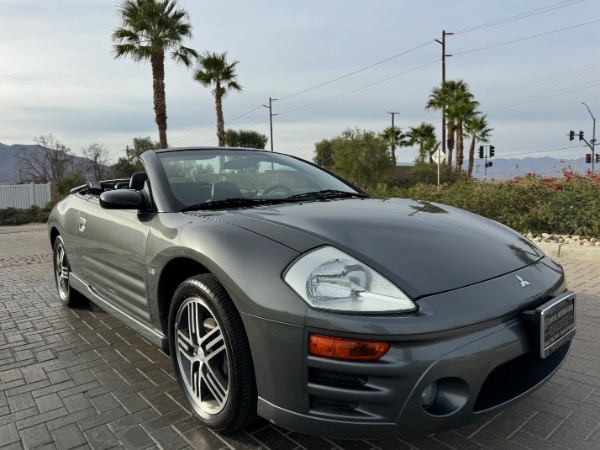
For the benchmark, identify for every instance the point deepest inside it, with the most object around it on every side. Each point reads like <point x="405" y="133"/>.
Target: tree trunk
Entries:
<point x="471" y="157"/>
<point x="220" y="121"/>
<point x="160" y="104"/>
<point x="443" y="129"/>
<point x="459" y="146"/>
<point x="450" y="130"/>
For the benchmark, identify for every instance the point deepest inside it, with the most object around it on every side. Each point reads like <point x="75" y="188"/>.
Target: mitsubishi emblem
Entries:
<point x="522" y="281"/>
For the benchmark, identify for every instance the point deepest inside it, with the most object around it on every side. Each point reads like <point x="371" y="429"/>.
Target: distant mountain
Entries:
<point x="9" y="161"/>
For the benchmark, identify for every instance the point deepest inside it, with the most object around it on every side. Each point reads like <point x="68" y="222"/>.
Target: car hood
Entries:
<point x="423" y="247"/>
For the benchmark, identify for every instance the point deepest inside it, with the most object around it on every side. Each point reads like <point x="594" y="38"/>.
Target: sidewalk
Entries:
<point x="570" y="251"/>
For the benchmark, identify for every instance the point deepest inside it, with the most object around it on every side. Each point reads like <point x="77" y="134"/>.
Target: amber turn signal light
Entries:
<point x="349" y="349"/>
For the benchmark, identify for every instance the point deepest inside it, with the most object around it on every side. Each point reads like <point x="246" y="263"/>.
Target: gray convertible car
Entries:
<point x="281" y="290"/>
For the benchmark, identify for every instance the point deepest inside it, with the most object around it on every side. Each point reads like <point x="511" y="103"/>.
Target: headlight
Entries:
<point x="328" y="278"/>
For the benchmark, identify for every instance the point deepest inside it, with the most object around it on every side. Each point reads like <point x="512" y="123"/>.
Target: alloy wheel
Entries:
<point x="62" y="270"/>
<point x="202" y="356"/>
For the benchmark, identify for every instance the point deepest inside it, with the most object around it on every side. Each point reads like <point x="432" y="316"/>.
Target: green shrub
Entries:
<point x="68" y="182"/>
<point x="567" y="205"/>
<point x="14" y="216"/>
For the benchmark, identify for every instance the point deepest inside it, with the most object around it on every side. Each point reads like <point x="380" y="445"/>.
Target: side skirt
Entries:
<point x="148" y="332"/>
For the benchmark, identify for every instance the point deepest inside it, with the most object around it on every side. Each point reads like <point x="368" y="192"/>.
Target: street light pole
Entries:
<point x="593" y="141"/>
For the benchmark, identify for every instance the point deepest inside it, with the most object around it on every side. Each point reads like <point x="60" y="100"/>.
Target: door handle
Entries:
<point x="82" y="222"/>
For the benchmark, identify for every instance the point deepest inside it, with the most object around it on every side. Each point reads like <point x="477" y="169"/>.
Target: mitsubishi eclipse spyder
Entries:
<point x="280" y="290"/>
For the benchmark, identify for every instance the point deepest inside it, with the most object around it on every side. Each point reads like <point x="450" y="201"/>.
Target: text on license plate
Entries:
<point x="555" y="323"/>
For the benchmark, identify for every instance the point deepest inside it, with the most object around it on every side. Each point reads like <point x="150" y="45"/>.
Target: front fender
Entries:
<point x="251" y="275"/>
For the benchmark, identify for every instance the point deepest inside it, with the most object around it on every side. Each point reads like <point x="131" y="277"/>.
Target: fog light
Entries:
<point x="429" y="395"/>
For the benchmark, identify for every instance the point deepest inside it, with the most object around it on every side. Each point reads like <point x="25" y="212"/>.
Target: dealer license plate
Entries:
<point x="556" y="324"/>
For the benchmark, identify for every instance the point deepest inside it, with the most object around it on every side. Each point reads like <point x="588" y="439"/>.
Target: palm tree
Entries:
<point x="396" y="138"/>
<point x="213" y="69"/>
<point x="461" y="108"/>
<point x="149" y="29"/>
<point x="423" y="135"/>
<point x="440" y="99"/>
<point x="478" y="129"/>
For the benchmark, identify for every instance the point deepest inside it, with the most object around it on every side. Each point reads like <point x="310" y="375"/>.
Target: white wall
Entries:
<point x="24" y="195"/>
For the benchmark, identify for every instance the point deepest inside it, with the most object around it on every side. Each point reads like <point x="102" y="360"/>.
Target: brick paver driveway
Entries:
<point x="80" y="379"/>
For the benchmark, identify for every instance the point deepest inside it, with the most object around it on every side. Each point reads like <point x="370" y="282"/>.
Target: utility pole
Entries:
<point x="271" y="120"/>
<point x="443" y="42"/>
<point x="393" y="113"/>
<point x="592" y="143"/>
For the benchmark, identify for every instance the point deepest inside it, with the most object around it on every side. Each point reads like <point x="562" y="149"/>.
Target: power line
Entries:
<point x="187" y="137"/>
<point x="526" y="84"/>
<point x="526" y="38"/>
<point x="195" y="134"/>
<point x="544" y="151"/>
<point x="533" y="12"/>
<point x="245" y="114"/>
<point x="556" y="94"/>
<point x="424" y="44"/>
<point x="256" y="123"/>
<point x="358" y="89"/>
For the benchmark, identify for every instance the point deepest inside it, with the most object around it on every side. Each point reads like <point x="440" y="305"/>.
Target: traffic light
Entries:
<point x="481" y="151"/>
<point x="571" y="135"/>
<point x="598" y="157"/>
<point x="492" y="150"/>
<point x="581" y="135"/>
<point x="488" y="164"/>
<point x="588" y="158"/>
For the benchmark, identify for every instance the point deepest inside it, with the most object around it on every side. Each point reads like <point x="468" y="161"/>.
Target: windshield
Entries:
<point x="198" y="177"/>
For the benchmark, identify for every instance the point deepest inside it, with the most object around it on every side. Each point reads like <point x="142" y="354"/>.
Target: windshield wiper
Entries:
<point x="236" y="202"/>
<point x="327" y="193"/>
<point x="240" y="202"/>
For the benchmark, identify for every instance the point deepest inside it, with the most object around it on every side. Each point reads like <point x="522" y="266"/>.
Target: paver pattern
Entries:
<point x="81" y="379"/>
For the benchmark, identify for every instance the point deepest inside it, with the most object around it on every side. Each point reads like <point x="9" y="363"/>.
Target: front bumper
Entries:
<point x="478" y="368"/>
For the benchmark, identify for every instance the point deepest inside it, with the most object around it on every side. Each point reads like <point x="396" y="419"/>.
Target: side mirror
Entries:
<point x="121" y="199"/>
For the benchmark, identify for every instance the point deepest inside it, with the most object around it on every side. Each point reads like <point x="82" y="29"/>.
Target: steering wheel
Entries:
<point x="275" y="187"/>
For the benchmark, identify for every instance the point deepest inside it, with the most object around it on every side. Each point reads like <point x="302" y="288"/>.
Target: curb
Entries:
<point x="569" y="251"/>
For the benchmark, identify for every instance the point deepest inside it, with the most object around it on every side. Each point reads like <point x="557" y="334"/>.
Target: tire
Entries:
<point x="211" y="355"/>
<point x="62" y="271"/>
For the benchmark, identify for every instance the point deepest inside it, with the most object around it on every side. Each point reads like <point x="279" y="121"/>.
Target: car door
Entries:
<point x="113" y="253"/>
<point x="69" y="228"/>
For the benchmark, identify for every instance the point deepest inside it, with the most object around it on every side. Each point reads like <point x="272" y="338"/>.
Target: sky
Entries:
<point x="529" y="64"/>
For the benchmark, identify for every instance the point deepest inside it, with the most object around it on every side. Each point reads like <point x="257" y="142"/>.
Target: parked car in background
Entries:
<point x="281" y="290"/>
